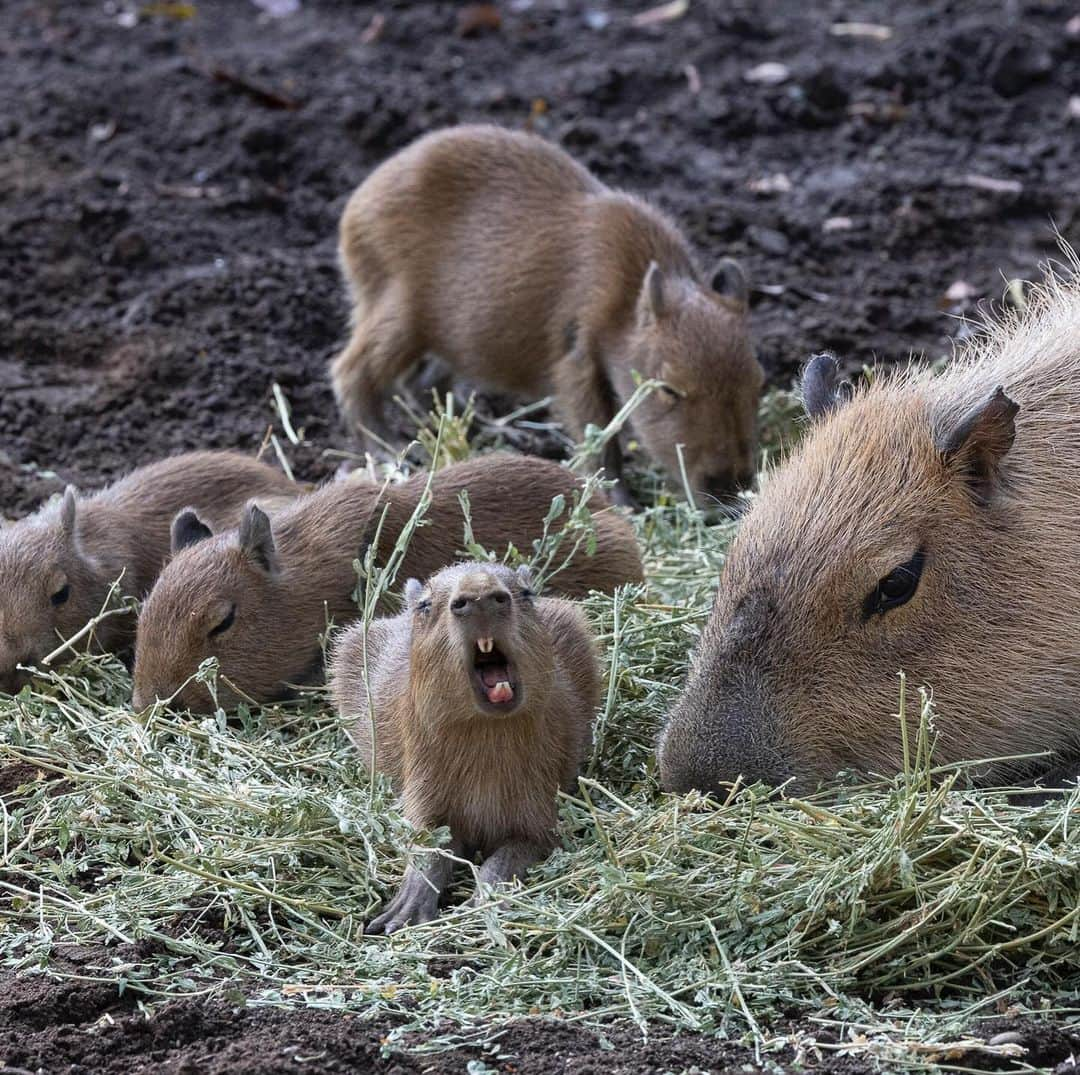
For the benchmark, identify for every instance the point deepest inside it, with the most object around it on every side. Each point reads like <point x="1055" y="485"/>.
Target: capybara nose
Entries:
<point x="721" y="484"/>
<point x="493" y="600"/>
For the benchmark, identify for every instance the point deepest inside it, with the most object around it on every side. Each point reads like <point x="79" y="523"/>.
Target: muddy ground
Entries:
<point x="170" y="181"/>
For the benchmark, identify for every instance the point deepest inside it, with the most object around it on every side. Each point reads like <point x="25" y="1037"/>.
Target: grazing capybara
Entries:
<point x="260" y="598"/>
<point x="58" y="566"/>
<point x="926" y="524"/>
<point x="483" y="697"/>
<point x="499" y="253"/>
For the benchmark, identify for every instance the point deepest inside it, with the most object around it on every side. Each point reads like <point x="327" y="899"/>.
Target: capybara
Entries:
<point x="259" y="598"/>
<point x="927" y="524"/>
<point x="483" y="696"/>
<point x="57" y="566"/>
<point x="499" y="253"/>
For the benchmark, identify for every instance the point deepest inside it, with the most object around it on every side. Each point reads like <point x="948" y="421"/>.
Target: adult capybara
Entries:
<point x="260" y="598"/>
<point x="482" y="696"/>
<point x="926" y="524"/>
<point x="499" y="253"/>
<point x="57" y="566"/>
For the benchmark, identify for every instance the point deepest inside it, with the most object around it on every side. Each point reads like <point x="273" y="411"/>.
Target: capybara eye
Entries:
<point x="61" y="595"/>
<point x="458" y="604"/>
<point x="672" y="395"/>
<point x="502" y="598"/>
<point x="897" y="587"/>
<point x="225" y="623"/>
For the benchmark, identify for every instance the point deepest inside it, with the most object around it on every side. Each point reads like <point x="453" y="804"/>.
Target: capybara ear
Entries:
<point x="525" y="578"/>
<point x="652" y="291"/>
<point x="822" y="390"/>
<point x="729" y="279"/>
<point x="413" y="589"/>
<point x="187" y="529"/>
<point x="68" y="512"/>
<point x="257" y="537"/>
<point x="975" y="445"/>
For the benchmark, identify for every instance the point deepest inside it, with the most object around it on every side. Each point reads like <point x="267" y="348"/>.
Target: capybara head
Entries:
<point x="697" y="341"/>
<point x="214" y="599"/>
<point x="893" y="540"/>
<point x="49" y="587"/>
<point x="476" y="636"/>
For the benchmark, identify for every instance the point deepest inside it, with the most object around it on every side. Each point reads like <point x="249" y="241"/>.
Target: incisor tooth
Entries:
<point x="486" y="644"/>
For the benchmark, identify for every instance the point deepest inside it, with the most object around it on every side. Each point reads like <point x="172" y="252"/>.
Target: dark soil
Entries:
<point x="169" y="193"/>
<point x="82" y="1027"/>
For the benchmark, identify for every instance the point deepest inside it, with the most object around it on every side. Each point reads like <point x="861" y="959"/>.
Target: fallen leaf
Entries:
<point x="169" y="10"/>
<point x="474" y="19"/>
<point x="768" y="74"/>
<point x="278" y="9"/>
<point x="990" y="183"/>
<point x="693" y="79"/>
<point x="664" y="13"/>
<point x="872" y="30"/>
<point x="1074" y="107"/>
<point x="777" y="183"/>
<point x="374" y="29"/>
<point x="1072" y="27"/>
<point x="102" y="132"/>
<point x="838" y="223"/>
<point x="959" y="291"/>
<point x="597" y="20"/>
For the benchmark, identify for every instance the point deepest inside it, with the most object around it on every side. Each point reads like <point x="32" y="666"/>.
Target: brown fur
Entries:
<point x="87" y="543"/>
<point x="492" y="778"/>
<point x="284" y="600"/>
<point x="498" y="252"/>
<point x="797" y="673"/>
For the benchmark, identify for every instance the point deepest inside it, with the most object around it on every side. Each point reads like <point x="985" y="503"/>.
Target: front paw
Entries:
<point x="413" y="905"/>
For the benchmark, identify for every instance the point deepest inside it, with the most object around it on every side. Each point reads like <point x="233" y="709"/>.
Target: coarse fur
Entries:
<point x="260" y="598"/>
<point x="972" y="477"/>
<point x="58" y="566"/>
<point x="499" y="253"/>
<point x="491" y="773"/>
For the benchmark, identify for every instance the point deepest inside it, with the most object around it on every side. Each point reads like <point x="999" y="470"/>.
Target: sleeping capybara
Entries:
<point x="57" y="566"/>
<point x="926" y="524"/>
<point x="259" y="599"/>
<point x="483" y="696"/>
<point x="499" y="253"/>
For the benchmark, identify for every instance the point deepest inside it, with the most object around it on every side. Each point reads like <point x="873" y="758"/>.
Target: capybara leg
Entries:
<point x="613" y="468"/>
<point x="586" y="397"/>
<point x="508" y="861"/>
<point x="417" y="901"/>
<point x="380" y="350"/>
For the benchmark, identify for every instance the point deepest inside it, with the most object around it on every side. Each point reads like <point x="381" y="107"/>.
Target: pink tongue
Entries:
<point x="493" y="673"/>
<point x="501" y="692"/>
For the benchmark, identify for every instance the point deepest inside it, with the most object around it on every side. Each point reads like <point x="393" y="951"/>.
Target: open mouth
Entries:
<point x="494" y="674"/>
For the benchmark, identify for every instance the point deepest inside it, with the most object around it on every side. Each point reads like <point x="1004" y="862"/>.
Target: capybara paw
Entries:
<point x="414" y="909"/>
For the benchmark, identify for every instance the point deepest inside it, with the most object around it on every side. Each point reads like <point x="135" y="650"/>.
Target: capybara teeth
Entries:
<point x="486" y="645"/>
<point x="501" y="692"/>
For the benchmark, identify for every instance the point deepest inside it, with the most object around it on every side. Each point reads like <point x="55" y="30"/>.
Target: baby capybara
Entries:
<point x="926" y="524"/>
<point x="483" y="696"/>
<point x="58" y="566"/>
<point x="503" y="256"/>
<point x="259" y="599"/>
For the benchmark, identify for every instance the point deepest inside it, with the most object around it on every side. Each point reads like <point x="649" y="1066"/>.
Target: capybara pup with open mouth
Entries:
<point x="926" y="524"/>
<point x="260" y="598"/>
<point x="483" y="696"/>
<point x="506" y="258"/>
<point x="58" y="566"/>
